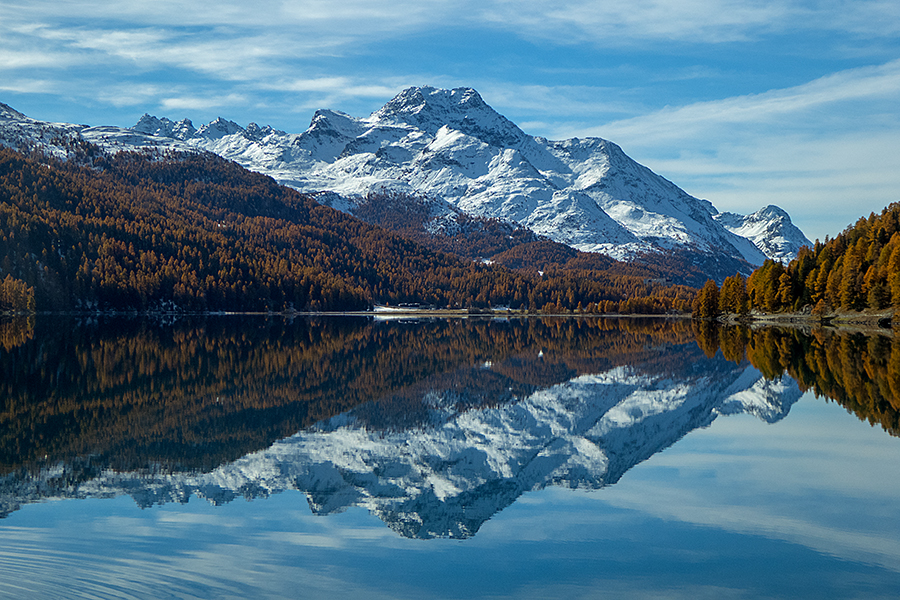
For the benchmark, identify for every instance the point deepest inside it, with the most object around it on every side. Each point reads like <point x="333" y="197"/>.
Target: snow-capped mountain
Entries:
<point x="450" y="145"/>
<point x="770" y="228"/>
<point x="446" y="477"/>
<point x="22" y="133"/>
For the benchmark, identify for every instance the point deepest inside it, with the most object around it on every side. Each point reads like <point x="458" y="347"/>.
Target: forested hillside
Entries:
<point x="152" y="231"/>
<point x="858" y="270"/>
<point x="425" y="221"/>
<point x="422" y="220"/>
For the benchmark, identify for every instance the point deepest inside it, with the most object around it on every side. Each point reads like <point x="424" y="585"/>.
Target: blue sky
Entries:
<point x="745" y="103"/>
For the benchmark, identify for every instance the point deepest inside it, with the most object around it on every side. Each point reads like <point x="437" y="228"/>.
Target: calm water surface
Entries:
<point x="269" y="458"/>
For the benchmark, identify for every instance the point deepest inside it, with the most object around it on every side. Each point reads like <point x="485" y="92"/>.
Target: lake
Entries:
<point x="335" y="457"/>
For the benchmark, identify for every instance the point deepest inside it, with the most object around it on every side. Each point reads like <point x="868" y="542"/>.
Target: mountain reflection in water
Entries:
<point x="432" y="425"/>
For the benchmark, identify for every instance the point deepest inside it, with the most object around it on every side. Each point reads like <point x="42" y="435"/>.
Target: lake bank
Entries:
<point x="881" y="320"/>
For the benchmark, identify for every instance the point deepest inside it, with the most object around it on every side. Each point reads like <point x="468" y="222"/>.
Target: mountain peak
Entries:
<point x="770" y="229"/>
<point x="8" y="112"/>
<point x="463" y="109"/>
<point x="416" y="100"/>
<point x="334" y="122"/>
<point x="219" y="129"/>
<point x="770" y="212"/>
<point x="150" y="125"/>
<point x="450" y="144"/>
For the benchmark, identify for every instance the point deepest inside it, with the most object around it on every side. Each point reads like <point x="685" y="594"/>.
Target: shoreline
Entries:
<point x="883" y="320"/>
<point x="379" y="314"/>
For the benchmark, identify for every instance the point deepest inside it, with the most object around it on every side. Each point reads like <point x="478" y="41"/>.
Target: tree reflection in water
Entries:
<point x="860" y="371"/>
<point x="136" y="394"/>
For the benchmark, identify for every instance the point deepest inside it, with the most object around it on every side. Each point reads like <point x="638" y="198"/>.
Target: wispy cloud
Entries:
<point x="269" y="41"/>
<point x="335" y="85"/>
<point x="203" y="103"/>
<point x="307" y="19"/>
<point x="358" y="94"/>
<point x="225" y="56"/>
<point x="568" y="101"/>
<point x="237" y="40"/>
<point x="699" y="21"/>
<point x="26" y="85"/>
<point x="15" y="59"/>
<point x="130" y="94"/>
<point x="875" y="83"/>
<point x="692" y="21"/>
<point x="706" y="21"/>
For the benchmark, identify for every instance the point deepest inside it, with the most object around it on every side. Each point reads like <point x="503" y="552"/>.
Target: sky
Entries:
<point x="742" y="102"/>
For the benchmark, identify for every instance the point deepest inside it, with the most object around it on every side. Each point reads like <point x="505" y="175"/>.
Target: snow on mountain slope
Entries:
<point x="182" y="130"/>
<point x="22" y="133"/>
<point x="451" y="145"/>
<point x="770" y="228"/>
<point x="446" y="478"/>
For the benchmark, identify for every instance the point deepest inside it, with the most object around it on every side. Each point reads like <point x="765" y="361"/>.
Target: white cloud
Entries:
<point x="304" y="18"/>
<point x="605" y="23"/>
<point x="11" y="60"/>
<point x="357" y="95"/>
<point x="29" y="86"/>
<point x="201" y="102"/>
<point x="344" y="86"/>
<point x="227" y="56"/>
<point x="236" y="39"/>
<point x="566" y="101"/>
<point x="130" y="94"/>
<point x="692" y="21"/>
<point x="862" y="84"/>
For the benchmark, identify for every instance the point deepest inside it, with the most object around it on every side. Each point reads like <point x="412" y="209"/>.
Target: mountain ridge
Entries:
<point x="451" y="145"/>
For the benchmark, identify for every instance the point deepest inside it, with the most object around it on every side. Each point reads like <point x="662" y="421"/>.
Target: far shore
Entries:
<point x="378" y="314"/>
<point x="883" y="320"/>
